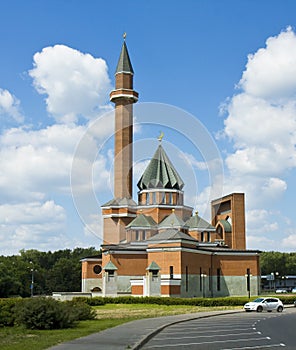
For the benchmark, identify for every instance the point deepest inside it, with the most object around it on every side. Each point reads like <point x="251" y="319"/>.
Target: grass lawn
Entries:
<point x="16" y="338"/>
<point x="110" y="315"/>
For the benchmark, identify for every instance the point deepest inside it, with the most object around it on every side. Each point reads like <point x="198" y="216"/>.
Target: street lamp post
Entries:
<point x="284" y="278"/>
<point x="32" y="282"/>
<point x="203" y="276"/>
<point x="272" y="280"/>
<point x="32" y="279"/>
<point x="248" y="277"/>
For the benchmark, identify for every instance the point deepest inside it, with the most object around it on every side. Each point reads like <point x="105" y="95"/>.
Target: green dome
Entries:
<point x="160" y="173"/>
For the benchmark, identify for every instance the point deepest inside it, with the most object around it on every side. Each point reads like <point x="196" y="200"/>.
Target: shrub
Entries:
<point x="7" y="311"/>
<point x="81" y="310"/>
<point x="47" y="313"/>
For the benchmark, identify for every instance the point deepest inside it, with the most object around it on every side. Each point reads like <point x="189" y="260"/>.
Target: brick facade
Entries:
<point x="170" y="252"/>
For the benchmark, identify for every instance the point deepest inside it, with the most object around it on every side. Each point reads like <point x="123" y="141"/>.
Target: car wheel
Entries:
<point x="259" y="308"/>
<point x="280" y="309"/>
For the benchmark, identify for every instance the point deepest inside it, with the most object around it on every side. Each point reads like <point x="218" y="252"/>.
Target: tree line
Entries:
<point x="279" y="263"/>
<point x="49" y="272"/>
<point x="60" y="271"/>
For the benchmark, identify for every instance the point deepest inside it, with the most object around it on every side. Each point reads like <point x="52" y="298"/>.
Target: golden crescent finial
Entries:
<point x="124" y="35"/>
<point x="160" y="137"/>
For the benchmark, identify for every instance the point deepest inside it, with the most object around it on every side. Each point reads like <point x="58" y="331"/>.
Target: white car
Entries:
<point x="264" y="304"/>
<point x="281" y="290"/>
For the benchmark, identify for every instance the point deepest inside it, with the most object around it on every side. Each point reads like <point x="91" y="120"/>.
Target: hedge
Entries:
<point x="227" y="301"/>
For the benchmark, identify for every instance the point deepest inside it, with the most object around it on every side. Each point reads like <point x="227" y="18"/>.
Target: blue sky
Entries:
<point x="227" y="68"/>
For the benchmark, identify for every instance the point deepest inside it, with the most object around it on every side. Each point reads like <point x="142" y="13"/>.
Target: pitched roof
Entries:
<point x="142" y="221"/>
<point x="198" y="223"/>
<point x="110" y="266"/>
<point x="117" y="202"/>
<point x="124" y="63"/>
<point x="160" y="173"/>
<point x="170" y="235"/>
<point x="153" y="267"/>
<point x="172" y="221"/>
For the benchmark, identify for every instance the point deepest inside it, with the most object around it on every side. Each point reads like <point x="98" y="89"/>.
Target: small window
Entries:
<point x="200" y="279"/>
<point x="154" y="273"/>
<point x="97" y="269"/>
<point x="171" y="272"/>
<point x="186" y="280"/>
<point x="147" y="198"/>
<point x="154" y="198"/>
<point x="202" y="236"/>
<point x="144" y="235"/>
<point x="218" y="279"/>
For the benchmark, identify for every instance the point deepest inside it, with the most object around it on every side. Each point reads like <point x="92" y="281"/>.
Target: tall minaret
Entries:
<point x="123" y="96"/>
<point x="120" y="211"/>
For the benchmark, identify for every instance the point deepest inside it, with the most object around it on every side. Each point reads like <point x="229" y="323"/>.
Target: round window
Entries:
<point x="97" y="269"/>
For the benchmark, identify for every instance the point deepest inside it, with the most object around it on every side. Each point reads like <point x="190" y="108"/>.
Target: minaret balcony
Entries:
<point x="124" y="94"/>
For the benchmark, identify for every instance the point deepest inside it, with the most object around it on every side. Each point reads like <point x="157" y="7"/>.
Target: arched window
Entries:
<point x="220" y="232"/>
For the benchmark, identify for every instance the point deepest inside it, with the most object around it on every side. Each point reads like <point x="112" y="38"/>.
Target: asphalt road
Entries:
<point x="231" y="332"/>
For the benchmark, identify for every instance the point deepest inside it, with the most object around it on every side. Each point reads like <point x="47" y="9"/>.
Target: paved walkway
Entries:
<point x="132" y="335"/>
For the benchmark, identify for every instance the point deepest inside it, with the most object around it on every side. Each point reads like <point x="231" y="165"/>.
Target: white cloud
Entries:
<point x="259" y="221"/>
<point x="36" y="162"/>
<point x="35" y="173"/>
<point x="76" y="84"/>
<point x="262" y="117"/>
<point x="262" y="243"/>
<point x="289" y="242"/>
<point x="261" y="123"/>
<point x="30" y="213"/>
<point x="271" y="71"/>
<point x="28" y="225"/>
<point x="10" y="106"/>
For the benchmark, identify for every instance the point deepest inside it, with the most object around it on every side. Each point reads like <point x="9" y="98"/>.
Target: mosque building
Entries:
<point x="157" y="246"/>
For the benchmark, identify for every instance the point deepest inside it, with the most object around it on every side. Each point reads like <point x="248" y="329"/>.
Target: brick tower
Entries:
<point x="123" y="96"/>
<point x="118" y="212"/>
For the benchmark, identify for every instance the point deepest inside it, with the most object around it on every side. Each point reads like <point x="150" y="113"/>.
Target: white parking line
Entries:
<point x="216" y="326"/>
<point x="205" y="336"/>
<point x="257" y="347"/>
<point x="198" y="331"/>
<point x="203" y="343"/>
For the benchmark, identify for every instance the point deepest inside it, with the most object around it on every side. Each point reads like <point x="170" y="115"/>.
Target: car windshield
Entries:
<point x="258" y="300"/>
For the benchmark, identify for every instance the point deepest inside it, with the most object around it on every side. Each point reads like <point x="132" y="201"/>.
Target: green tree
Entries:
<point x="277" y="262"/>
<point x="53" y="271"/>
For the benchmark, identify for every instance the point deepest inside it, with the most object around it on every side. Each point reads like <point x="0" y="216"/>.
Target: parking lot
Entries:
<point x="229" y="332"/>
